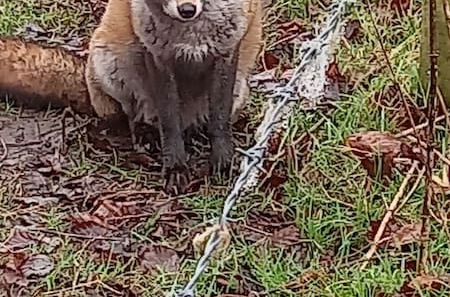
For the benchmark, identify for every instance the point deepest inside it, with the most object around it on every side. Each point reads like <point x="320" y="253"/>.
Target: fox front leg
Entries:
<point x="221" y="103"/>
<point x="165" y="92"/>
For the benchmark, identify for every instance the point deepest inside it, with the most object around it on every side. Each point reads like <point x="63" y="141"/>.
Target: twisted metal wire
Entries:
<point x="253" y="157"/>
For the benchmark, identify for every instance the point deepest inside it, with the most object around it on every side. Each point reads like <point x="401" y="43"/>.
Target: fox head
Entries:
<point x="189" y="29"/>
<point x="183" y="10"/>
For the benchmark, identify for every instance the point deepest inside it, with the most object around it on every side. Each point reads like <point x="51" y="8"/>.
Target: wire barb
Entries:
<point x="316" y="53"/>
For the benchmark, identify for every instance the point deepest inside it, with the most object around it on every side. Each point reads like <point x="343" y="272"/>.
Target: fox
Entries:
<point x="182" y="62"/>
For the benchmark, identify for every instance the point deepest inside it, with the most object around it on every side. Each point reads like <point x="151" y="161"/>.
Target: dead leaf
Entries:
<point x="289" y="30"/>
<point x="372" y="146"/>
<point x="334" y="74"/>
<point x="400" y="6"/>
<point x="429" y="282"/>
<point x="270" y="61"/>
<point x="276" y="179"/>
<point x="287" y="74"/>
<point x="266" y="81"/>
<point x="135" y="160"/>
<point x="407" y="234"/>
<point x="21" y="239"/>
<point x="353" y="30"/>
<point x="21" y="267"/>
<point x="286" y="237"/>
<point x="201" y="240"/>
<point x="273" y="144"/>
<point x="391" y="228"/>
<point x="154" y="257"/>
<point x="38" y="265"/>
<point x="90" y="225"/>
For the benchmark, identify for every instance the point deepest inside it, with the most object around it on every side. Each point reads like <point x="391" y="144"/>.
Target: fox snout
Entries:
<point x="184" y="10"/>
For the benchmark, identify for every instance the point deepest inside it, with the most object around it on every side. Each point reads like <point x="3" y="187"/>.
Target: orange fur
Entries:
<point x="37" y="75"/>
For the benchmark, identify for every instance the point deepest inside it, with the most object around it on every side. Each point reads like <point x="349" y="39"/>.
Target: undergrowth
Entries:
<point x="302" y="236"/>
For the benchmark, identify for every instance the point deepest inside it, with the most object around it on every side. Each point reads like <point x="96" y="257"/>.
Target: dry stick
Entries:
<point x="431" y="114"/>
<point x="388" y="215"/>
<point x="418" y="127"/>
<point x="413" y="188"/>
<point x="391" y="69"/>
<point x="73" y="235"/>
<point x="5" y="150"/>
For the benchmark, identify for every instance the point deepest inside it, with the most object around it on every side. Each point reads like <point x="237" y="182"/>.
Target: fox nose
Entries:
<point x="187" y="10"/>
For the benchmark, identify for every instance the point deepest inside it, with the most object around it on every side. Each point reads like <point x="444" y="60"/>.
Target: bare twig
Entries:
<point x="431" y="114"/>
<point x="418" y="127"/>
<point x="388" y="215"/>
<point x="73" y="235"/>
<point x="5" y="150"/>
<point x="413" y="188"/>
<point x="389" y="64"/>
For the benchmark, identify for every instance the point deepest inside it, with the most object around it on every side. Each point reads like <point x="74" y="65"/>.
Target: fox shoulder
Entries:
<point x="36" y="75"/>
<point x="109" y="31"/>
<point x="109" y="45"/>
<point x="253" y="13"/>
<point x="249" y="49"/>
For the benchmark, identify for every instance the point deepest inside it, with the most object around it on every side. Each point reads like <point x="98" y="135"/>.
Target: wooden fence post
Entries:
<point x="442" y="44"/>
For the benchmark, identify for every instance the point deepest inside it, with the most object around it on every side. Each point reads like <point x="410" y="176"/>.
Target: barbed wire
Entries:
<point x="280" y="107"/>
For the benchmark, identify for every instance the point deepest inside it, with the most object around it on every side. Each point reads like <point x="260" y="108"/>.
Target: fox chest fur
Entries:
<point x="190" y="47"/>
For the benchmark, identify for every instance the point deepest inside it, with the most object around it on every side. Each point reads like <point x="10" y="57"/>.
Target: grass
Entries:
<point x="323" y="196"/>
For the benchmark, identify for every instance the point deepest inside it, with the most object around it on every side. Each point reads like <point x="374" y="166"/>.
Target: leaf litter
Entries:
<point x="43" y="176"/>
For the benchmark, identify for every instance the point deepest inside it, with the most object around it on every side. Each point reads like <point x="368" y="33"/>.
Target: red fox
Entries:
<point x="183" y="62"/>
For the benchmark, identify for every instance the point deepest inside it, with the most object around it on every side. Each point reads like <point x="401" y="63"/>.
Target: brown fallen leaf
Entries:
<point x="21" y="268"/>
<point x="334" y="74"/>
<point x="423" y="282"/>
<point x="269" y="61"/>
<point x="391" y="228"/>
<point x="352" y="30"/>
<point x="407" y="234"/>
<point x="154" y="257"/>
<point x="371" y="147"/>
<point x="201" y="239"/>
<point x="21" y="238"/>
<point x="276" y="179"/>
<point x="273" y="144"/>
<point x="90" y="225"/>
<point x="400" y="6"/>
<point x="289" y="30"/>
<point x="285" y="237"/>
<point x="287" y="74"/>
<point x="430" y="282"/>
